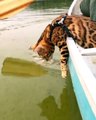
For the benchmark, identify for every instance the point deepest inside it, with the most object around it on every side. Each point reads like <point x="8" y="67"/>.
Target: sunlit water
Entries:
<point x="25" y="94"/>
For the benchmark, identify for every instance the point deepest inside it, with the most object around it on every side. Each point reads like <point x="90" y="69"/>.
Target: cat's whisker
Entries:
<point x="38" y="58"/>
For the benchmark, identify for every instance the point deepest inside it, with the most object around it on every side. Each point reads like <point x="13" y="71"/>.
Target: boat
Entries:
<point x="82" y="67"/>
<point x="9" y="8"/>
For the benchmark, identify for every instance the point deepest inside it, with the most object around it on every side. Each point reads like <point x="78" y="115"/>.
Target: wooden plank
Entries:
<point x="9" y="8"/>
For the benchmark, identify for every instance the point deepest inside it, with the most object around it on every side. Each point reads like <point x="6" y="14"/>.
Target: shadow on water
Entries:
<point x="20" y="67"/>
<point x="68" y="108"/>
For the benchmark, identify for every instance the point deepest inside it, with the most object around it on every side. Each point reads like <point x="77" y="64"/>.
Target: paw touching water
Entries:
<point x="64" y="71"/>
<point x="64" y="74"/>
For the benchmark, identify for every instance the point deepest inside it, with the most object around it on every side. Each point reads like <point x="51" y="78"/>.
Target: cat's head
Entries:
<point x="44" y="46"/>
<point x="50" y="37"/>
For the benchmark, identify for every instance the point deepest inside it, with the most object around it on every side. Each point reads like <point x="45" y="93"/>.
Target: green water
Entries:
<point x="29" y="95"/>
<point x="30" y="90"/>
<point x="46" y="97"/>
<point x="50" y="4"/>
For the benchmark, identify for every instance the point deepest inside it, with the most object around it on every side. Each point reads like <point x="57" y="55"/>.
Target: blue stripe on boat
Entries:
<point x="84" y="106"/>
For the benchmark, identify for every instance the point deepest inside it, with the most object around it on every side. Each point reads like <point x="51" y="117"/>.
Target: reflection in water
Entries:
<point x="67" y="109"/>
<point x="20" y="67"/>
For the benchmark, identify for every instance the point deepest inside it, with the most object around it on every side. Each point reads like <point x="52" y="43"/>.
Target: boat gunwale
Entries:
<point x="90" y="82"/>
<point x="87" y="79"/>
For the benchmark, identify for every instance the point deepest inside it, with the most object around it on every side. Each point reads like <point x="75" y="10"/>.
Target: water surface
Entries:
<point x="31" y="89"/>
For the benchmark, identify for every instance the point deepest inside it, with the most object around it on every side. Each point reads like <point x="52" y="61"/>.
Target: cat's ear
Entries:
<point x="32" y="47"/>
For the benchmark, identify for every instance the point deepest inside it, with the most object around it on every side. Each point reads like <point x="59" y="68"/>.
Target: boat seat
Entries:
<point x="88" y="52"/>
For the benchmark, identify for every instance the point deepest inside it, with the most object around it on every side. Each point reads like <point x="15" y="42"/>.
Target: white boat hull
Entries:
<point x="84" y="82"/>
<point x="83" y="79"/>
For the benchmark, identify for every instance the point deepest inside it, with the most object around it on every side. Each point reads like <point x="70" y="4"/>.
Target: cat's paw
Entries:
<point x="64" y="74"/>
<point x="64" y="71"/>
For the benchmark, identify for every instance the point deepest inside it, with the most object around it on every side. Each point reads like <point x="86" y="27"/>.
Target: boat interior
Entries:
<point x="89" y="55"/>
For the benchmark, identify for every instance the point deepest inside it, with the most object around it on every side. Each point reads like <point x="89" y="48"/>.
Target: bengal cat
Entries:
<point x="81" y="28"/>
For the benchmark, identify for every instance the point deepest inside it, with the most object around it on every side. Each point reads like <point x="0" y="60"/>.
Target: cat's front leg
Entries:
<point x="63" y="61"/>
<point x="64" y="70"/>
